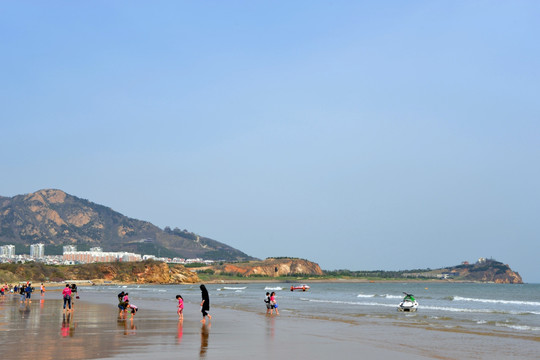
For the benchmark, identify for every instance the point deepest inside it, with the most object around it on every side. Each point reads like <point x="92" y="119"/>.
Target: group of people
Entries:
<point x="124" y="306"/>
<point x="271" y="303"/>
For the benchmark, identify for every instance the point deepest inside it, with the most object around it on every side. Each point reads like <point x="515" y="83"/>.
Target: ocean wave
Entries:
<point x="393" y="296"/>
<point x="519" y="327"/>
<point x="496" y="301"/>
<point x="348" y="302"/>
<point x="365" y="296"/>
<point x="273" y="288"/>
<point x="234" y="288"/>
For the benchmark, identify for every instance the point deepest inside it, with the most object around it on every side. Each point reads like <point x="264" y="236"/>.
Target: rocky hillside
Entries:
<point x="146" y="272"/>
<point x="55" y="218"/>
<point x="271" y="267"/>
<point x="488" y="271"/>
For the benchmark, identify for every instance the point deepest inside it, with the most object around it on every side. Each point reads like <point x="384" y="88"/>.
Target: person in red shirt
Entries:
<point x="67" y="297"/>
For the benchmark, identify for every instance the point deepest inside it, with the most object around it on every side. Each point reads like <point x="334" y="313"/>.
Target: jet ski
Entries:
<point x="408" y="303"/>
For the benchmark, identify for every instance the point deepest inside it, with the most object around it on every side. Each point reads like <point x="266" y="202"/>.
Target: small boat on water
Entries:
<point x="302" y="287"/>
<point x="408" y="303"/>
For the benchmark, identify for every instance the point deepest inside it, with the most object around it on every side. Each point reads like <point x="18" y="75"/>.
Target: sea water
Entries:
<point x="495" y="308"/>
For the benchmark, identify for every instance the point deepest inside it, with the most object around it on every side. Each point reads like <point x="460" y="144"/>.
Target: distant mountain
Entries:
<point x="55" y="218"/>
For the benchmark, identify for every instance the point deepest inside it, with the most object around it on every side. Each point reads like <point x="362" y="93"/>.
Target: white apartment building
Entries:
<point x="69" y="248"/>
<point x="7" y="251"/>
<point x="37" y="251"/>
<point x="86" y="257"/>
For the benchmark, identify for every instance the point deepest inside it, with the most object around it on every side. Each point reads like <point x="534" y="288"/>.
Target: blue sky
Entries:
<point x="361" y="135"/>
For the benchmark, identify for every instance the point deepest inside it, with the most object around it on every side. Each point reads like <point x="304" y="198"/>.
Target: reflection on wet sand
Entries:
<point x="205" y="332"/>
<point x="180" y="332"/>
<point x="270" y="326"/>
<point x="38" y="324"/>
<point x="68" y="327"/>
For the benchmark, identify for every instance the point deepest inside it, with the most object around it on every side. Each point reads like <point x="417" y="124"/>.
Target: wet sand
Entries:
<point x="93" y="331"/>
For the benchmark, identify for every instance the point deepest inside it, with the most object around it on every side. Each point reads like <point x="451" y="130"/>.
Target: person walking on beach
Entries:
<point x="180" y="310"/>
<point x="205" y="304"/>
<point x="273" y="303"/>
<point x="267" y="301"/>
<point x="67" y="297"/>
<point x="42" y="288"/>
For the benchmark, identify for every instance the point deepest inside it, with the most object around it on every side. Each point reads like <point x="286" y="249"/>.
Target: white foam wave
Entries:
<point x="497" y="301"/>
<point x="365" y="296"/>
<point x="519" y="327"/>
<point x="273" y="288"/>
<point x="234" y="288"/>
<point x="393" y="296"/>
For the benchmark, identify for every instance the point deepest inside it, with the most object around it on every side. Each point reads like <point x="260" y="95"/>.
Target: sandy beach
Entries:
<point x="93" y="331"/>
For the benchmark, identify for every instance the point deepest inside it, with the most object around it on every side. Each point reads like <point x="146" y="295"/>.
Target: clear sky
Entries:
<point x="356" y="134"/>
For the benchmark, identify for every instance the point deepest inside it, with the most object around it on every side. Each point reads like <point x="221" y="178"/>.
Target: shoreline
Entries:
<point x="234" y="333"/>
<point x="101" y="282"/>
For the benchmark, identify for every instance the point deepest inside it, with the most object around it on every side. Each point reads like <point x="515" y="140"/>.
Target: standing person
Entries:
<point x="180" y="310"/>
<point x="67" y="297"/>
<point x="29" y="292"/>
<point x="273" y="302"/>
<point x="205" y="304"/>
<point x="74" y="290"/>
<point x="42" y="288"/>
<point x="121" y="305"/>
<point x="22" y="293"/>
<point x="267" y="301"/>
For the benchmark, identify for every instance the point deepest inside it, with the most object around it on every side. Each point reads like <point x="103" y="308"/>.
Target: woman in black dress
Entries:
<point x="205" y="304"/>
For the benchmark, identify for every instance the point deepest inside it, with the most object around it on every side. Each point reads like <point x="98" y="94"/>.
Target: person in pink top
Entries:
<point x="180" y="307"/>
<point x="67" y="297"/>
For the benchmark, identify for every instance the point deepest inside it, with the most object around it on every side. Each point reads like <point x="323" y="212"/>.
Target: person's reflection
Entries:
<point x="68" y="326"/>
<point x="24" y="309"/>
<point x="205" y="331"/>
<point x="122" y="324"/>
<point x="270" y="326"/>
<point x="180" y="332"/>
<point x="133" y="327"/>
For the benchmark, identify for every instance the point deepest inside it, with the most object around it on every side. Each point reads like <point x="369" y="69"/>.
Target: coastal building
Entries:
<point x="7" y="251"/>
<point x="85" y="257"/>
<point x="69" y="248"/>
<point x="37" y="251"/>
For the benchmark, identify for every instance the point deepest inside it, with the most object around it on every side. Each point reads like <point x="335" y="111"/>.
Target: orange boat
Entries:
<point x="302" y="287"/>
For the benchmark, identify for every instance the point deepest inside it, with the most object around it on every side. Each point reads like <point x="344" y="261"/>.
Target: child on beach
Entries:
<point x="180" y="310"/>
<point x="267" y="301"/>
<point x="133" y="309"/>
<point x="273" y="303"/>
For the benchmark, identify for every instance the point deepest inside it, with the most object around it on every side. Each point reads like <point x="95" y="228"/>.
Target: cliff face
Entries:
<point x="55" y="218"/>
<point x="271" y="267"/>
<point x="139" y="273"/>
